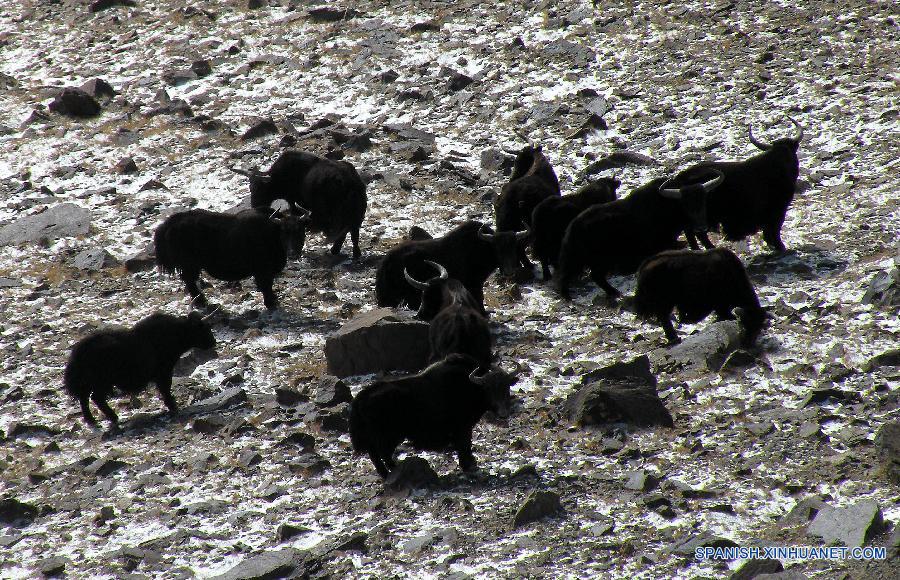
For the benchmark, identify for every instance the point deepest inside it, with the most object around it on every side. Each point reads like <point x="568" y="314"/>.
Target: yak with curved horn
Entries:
<point x="756" y="192"/>
<point x="457" y="324"/>
<point x="332" y="191"/>
<point x="619" y="235"/>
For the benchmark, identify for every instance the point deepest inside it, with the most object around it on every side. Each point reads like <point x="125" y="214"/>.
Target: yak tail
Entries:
<point x="358" y="436"/>
<point x="163" y="247"/>
<point x="73" y="381"/>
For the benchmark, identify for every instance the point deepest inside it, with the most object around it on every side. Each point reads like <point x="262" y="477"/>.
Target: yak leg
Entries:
<point x="704" y="239"/>
<point x="462" y="444"/>
<point x="545" y="270"/>
<point x="772" y="236"/>
<point x="338" y="243"/>
<point x="523" y="258"/>
<point x="354" y="237"/>
<point x="692" y="240"/>
<point x="599" y="277"/>
<point x="86" y="409"/>
<point x="724" y="314"/>
<point x="105" y="408"/>
<point x="379" y="465"/>
<point x="665" y="320"/>
<point x="190" y="282"/>
<point x="164" y="385"/>
<point x="265" y="286"/>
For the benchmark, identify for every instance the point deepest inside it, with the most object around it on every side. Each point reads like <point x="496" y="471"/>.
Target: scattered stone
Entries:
<point x="575" y="54"/>
<point x="309" y="464"/>
<point x="809" y="429"/>
<point x="637" y="368"/>
<point x="187" y="364"/>
<point x="284" y="563"/>
<point x="99" y="89"/>
<point x="201" y="68"/>
<point x="21" y="429"/>
<point x="887" y="441"/>
<point x="889" y="358"/>
<point x="53" y="566"/>
<point x="378" y="340"/>
<point x="789" y="574"/>
<point x="738" y="359"/>
<point x="805" y="510"/>
<point x="259" y="129"/>
<point x="331" y="391"/>
<point x="16" y="513"/>
<point x="141" y="261"/>
<point x="59" y="221"/>
<point x="225" y="399"/>
<point x="289" y="397"/>
<point x="249" y="458"/>
<point x="99" y="5"/>
<point x="538" y="505"/>
<point x="255" y="4"/>
<point x="335" y="418"/>
<point x="884" y="289"/>
<point x="852" y="526"/>
<point x="105" y="467"/>
<point x="356" y="542"/>
<point x="817" y="396"/>
<point x="107" y="513"/>
<point x="75" y="103"/>
<point x="704" y="540"/>
<point x="602" y="528"/>
<point x="332" y="14"/>
<point x="415" y="545"/>
<point x="209" y="425"/>
<point x="706" y="350"/>
<point x="94" y="260"/>
<point x="458" y="81"/>
<point x="305" y="441"/>
<point x="760" y="429"/>
<point x="287" y="531"/>
<point x="753" y="568"/>
<point x="411" y="473"/>
<point x="126" y="166"/>
<point x="618" y="159"/>
<point x="641" y="481"/>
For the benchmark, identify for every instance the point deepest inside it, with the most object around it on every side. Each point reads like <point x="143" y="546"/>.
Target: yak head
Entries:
<point x="197" y="332"/>
<point x="505" y="246"/>
<point x="784" y="150"/>
<point x="602" y="190"/>
<point x="292" y="229"/>
<point x="496" y="383"/>
<point x="261" y="194"/>
<point x="437" y="292"/>
<point x="693" y="198"/>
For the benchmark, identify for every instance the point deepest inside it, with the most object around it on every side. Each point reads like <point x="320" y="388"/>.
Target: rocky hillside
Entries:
<point x="793" y="443"/>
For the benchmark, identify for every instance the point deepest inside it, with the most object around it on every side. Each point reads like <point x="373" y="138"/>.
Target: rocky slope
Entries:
<point x="421" y="97"/>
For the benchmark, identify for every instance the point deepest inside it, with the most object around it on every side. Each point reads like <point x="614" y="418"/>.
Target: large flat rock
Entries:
<point x="381" y="340"/>
<point x="60" y="221"/>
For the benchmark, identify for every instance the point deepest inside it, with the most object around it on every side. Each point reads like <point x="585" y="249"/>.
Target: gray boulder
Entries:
<point x="887" y="440"/>
<point x="284" y="563"/>
<point x="851" y="526"/>
<point x="381" y="340"/>
<point x="60" y="221"/>
<point x="707" y="350"/>
<point x="94" y="260"/>
<point x="537" y="506"/>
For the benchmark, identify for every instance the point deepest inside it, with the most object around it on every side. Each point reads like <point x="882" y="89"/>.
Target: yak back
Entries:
<point x="426" y="408"/>
<point x="228" y="247"/>
<point x="460" y="329"/>
<point x="441" y="294"/>
<point x="532" y="181"/>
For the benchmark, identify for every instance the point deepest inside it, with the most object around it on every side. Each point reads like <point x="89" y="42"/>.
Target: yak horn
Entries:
<point x="759" y="144"/>
<point x="244" y="172"/>
<point x="305" y="216"/>
<point x="413" y="282"/>
<point x="484" y="235"/>
<point x="478" y="380"/>
<point x="523" y="235"/>
<point x="208" y="316"/>
<point x="670" y="192"/>
<point x="714" y="182"/>
<point x="442" y="271"/>
<point x="799" y="136"/>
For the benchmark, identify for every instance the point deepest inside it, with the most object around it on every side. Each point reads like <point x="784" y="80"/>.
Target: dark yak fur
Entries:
<point x="332" y="191"/>
<point x="532" y="181"/>
<point x="619" y="235"/>
<point x="697" y="284"/>
<point x="755" y="194"/>
<point x="129" y="359"/>
<point x="466" y="255"/>
<point x="457" y="324"/>
<point x="434" y="410"/>
<point x="551" y="217"/>
<point x="228" y="247"/>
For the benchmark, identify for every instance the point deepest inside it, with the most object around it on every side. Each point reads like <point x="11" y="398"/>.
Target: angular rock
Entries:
<point x="331" y="391"/>
<point x="141" y="261"/>
<point x="225" y="399"/>
<point x="332" y="14"/>
<point x="287" y="531"/>
<point x="99" y="89"/>
<point x="637" y="368"/>
<point x="335" y="418"/>
<point x="22" y="429"/>
<point x="804" y="510"/>
<point x="641" y="481"/>
<point x="53" y="566"/>
<point x="706" y="350"/>
<point x="16" y="513"/>
<point x="75" y="103"/>
<point x="289" y="397"/>
<point x="126" y="166"/>
<point x="94" y="260"/>
<point x="618" y="159"/>
<point x="537" y="506"/>
<point x="703" y="540"/>
<point x="59" y="221"/>
<point x="193" y="359"/>
<point x="259" y="129"/>
<point x="887" y="441"/>
<point x="99" y="5"/>
<point x="105" y="467"/>
<point x="852" y="526"/>
<point x="411" y="473"/>
<point x="753" y="568"/>
<point x="379" y="340"/>
<point x="884" y="289"/>
<point x="623" y="392"/>
<point x="888" y="358"/>
<point x="284" y="563"/>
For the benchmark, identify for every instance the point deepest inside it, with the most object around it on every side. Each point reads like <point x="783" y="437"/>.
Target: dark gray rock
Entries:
<point x="887" y="441"/>
<point x="105" y="467"/>
<point x="284" y="563"/>
<point x="335" y="418"/>
<point x="16" y="513"/>
<point x="411" y="473"/>
<point x="76" y="103"/>
<point x="99" y="5"/>
<point x="818" y="396"/>
<point x="379" y="340"/>
<point x="573" y="54"/>
<point x="538" y="505"/>
<point x="641" y="481"/>
<point x="851" y="526"/>
<point x="59" y="221"/>
<point x="804" y="510"/>
<point x="94" y="260"/>
<point x="706" y="350"/>
<point x="753" y="568"/>
<point x="126" y="166"/>
<point x="331" y="391"/>
<point x="618" y="159"/>
<point x="53" y="566"/>
<point x="888" y="358"/>
<point x="637" y="369"/>
<point x="193" y="359"/>
<point x="99" y="89"/>
<point x="789" y="574"/>
<point x="688" y="546"/>
<point x="884" y="288"/>
<point x="289" y="397"/>
<point x="261" y="128"/>
<point x="332" y="14"/>
<point x="287" y="531"/>
<point x="141" y="261"/>
<point x="227" y="398"/>
<point x="23" y="429"/>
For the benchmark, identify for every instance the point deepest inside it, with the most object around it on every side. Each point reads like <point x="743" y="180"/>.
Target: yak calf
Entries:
<point x="129" y="359"/>
<point x="435" y="409"/>
<point x="697" y="283"/>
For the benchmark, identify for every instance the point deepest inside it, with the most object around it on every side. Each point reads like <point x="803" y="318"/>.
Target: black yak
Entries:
<point x="697" y="284"/>
<point x="435" y="409"/>
<point x="755" y="194"/>
<point x="551" y="217"/>
<point x="228" y="247"/>
<point x="332" y="191"/>
<point x="129" y="359"/>
<point x="619" y="235"/>
<point x="470" y="252"/>
<point x="532" y="181"/>
<point x="457" y="324"/>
